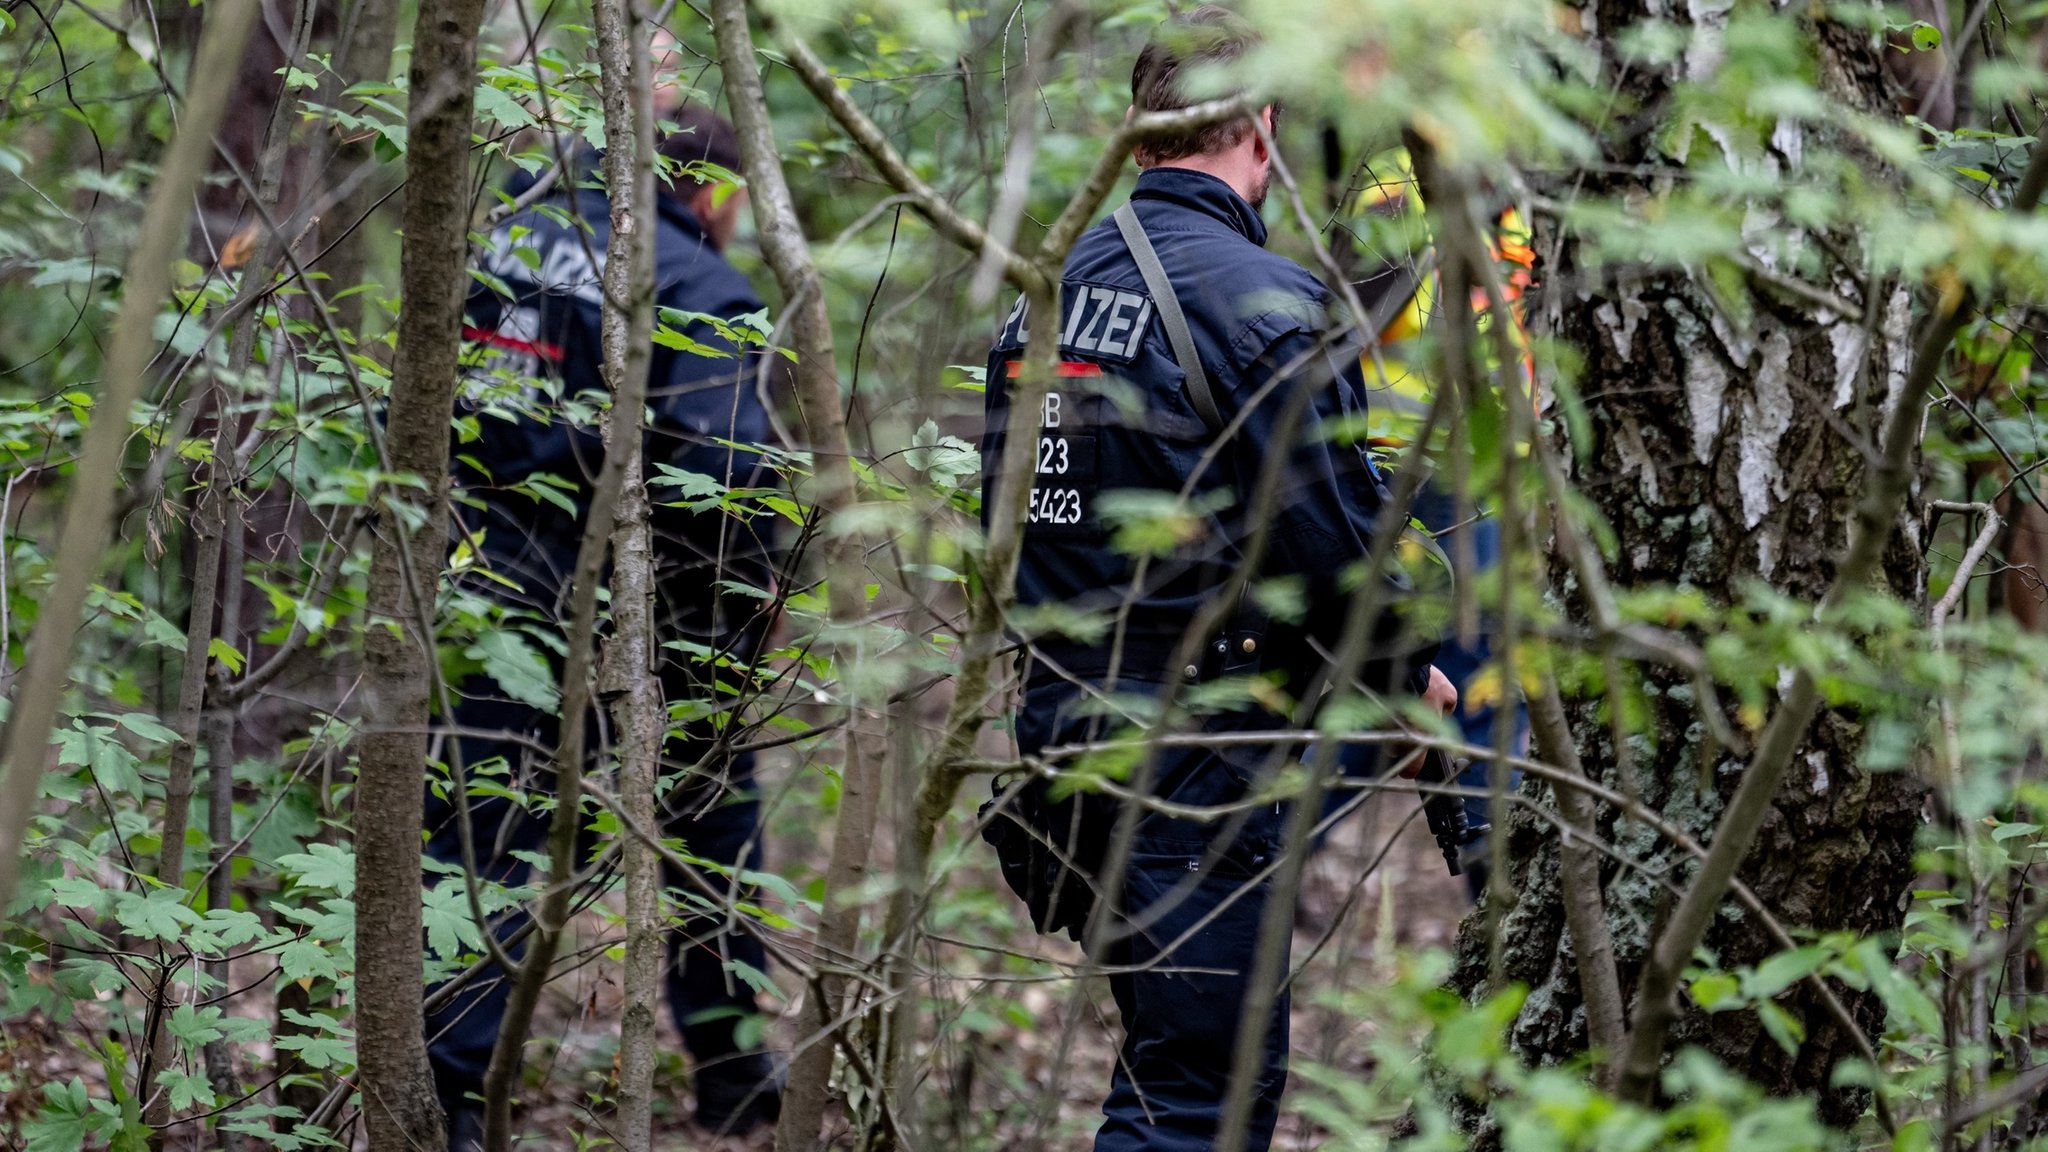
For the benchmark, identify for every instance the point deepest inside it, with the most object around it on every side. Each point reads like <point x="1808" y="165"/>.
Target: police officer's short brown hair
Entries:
<point x="1208" y="35"/>
<point x="701" y="137"/>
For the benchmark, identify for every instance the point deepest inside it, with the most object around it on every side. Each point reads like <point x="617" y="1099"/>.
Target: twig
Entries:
<point x="1585" y="909"/>
<point x="894" y="169"/>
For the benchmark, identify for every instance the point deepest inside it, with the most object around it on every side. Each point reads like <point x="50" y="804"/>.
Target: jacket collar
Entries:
<point x="1205" y="194"/>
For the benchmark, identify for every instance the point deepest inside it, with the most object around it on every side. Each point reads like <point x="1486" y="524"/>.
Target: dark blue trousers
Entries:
<point x="1183" y="999"/>
<point x="1185" y="944"/>
<point x="716" y="821"/>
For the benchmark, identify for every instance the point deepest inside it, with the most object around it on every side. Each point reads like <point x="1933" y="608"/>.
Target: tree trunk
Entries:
<point x="817" y="384"/>
<point x="1713" y="459"/>
<point x="627" y="676"/>
<point x="637" y="712"/>
<point x="398" y="1103"/>
<point x="209" y="526"/>
<point x="362" y="55"/>
<point x="623" y="439"/>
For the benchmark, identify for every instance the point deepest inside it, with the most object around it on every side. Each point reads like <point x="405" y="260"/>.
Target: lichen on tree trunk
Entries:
<point x="1719" y="451"/>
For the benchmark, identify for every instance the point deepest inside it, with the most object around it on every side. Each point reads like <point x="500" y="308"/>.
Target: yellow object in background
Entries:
<point x="1399" y="390"/>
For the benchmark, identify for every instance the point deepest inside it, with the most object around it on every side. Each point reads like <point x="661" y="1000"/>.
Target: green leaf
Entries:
<point x="1157" y="523"/>
<point x="75" y="892"/>
<point x="519" y="670"/>
<point x="444" y="912"/>
<point x="754" y="978"/>
<point x="147" y="727"/>
<point x="689" y="485"/>
<point x="944" y="459"/>
<point x="161" y="915"/>
<point x="231" y="927"/>
<point x="97" y="975"/>
<point x="78" y="270"/>
<point x="1715" y="990"/>
<point x="328" y="866"/>
<point x="188" y="1089"/>
<point x="1926" y="37"/>
<point x="334" y="919"/>
<point x="390" y="142"/>
<point x="494" y="104"/>
<point x="548" y="492"/>
<point x="226" y="653"/>
<point x="669" y="337"/>
<point x="244" y="1029"/>
<point x="318" y="1051"/>
<point x="66" y="1120"/>
<point x="195" y="1026"/>
<point x="1783" y="1027"/>
<point x="306" y="958"/>
<point x="1782" y="971"/>
<point x="113" y="766"/>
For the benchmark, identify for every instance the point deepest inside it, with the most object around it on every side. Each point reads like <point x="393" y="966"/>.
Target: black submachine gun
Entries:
<point x="1445" y="812"/>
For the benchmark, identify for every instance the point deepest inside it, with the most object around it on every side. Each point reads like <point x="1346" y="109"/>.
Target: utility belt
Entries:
<point x="1238" y="651"/>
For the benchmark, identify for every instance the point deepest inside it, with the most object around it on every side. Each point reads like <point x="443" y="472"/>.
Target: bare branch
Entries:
<point x="894" y="169"/>
<point x="1585" y="909"/>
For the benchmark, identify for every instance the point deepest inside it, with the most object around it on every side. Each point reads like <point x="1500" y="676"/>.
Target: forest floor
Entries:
<point x="1002" y="1061"/>
<point x="1007" y="1073"/>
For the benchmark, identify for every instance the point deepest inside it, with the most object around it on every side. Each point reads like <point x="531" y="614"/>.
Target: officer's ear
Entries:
<point x="717" y="207"/>
<point x="1259" y="138"/>
<point x="1138" y="151"/>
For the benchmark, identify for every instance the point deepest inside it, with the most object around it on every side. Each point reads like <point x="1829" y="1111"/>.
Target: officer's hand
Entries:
<point x="1442" y="696"/>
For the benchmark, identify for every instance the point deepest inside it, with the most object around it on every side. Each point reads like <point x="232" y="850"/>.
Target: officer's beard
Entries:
<point x="1259" y="190"/>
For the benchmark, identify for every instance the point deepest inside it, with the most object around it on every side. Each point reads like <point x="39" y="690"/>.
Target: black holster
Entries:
<point x="1049" y="849"/>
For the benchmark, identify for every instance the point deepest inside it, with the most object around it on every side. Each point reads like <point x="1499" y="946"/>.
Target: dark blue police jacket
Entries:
<point x="1119" y="421"/>
<point x="547" y="327"/>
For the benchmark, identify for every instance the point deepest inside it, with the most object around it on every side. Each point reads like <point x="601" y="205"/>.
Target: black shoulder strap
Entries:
<point x="1200" y="394"/>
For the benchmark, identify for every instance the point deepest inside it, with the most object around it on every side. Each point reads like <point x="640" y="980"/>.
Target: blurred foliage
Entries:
<point x="1753" y="159"/>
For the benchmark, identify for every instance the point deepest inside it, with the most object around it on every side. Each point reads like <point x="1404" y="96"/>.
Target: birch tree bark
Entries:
<point x="1719" y="456"/>
<point x="409" y="537"/>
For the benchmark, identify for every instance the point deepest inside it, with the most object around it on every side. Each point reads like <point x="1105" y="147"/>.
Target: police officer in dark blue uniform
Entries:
<point x="538" y="319"/>
<point x="1130" y="412"/>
